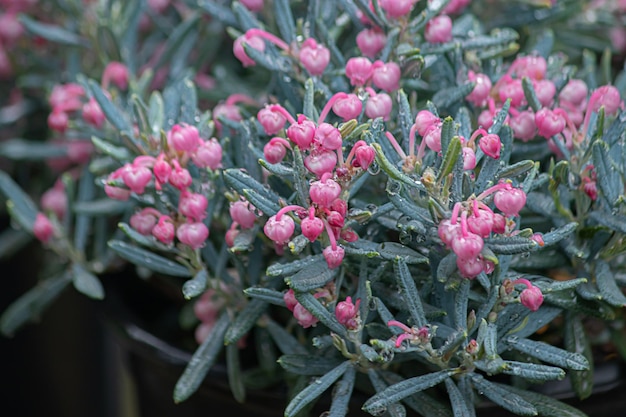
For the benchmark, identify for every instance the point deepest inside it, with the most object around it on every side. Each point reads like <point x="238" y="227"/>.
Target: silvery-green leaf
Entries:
<point x="605" y="280"/>
<point x="285" y="341"/>
<point x="21" y="207"/>
<point x="533" y="371"/>
<point x="308" y="364"/>
<point x="393" y="250"/>
<point x="195" y="286"/>
<point x="116" y="152"/>
<point x="608" y="177"/>
<point x="616" y="222"/>
<point x="86" y="282"/>
<point x="501" y="395"/>
<point x="409" y="292"/>
<point x="460" y="405"/>
<point x="101" y="206"/>
<point x="245" y="320"/>
<point x="530" y="94"/>
<point x="499" y="119"/>
<point x="314" y="390"/>
<point x="451" y="95"/>
<point x="114" y="115"/>
<point x="510" y="245"/>
<point x="185" y="30"/>
<point x="201" y="361"/>
<point x="284" y="20"/>
<point x="51" y="32"/>
<point x="379" y="384"/>
<point x="290" y="268"/>
<point x="311" y="277"/>
<point x="453" y="153"/>
<point x="235" y="377"/>
<point x="548" y="353"/>
<point x="342" y="393"/>
<point x="559" y="234"/>
<point x="149" y="260"/>
<point x="266" y="294"/>
<point x="26" y="150"/>
<point x="314" y="307"/>
<point x="576" y="341"/>
<point x="221" y="13"/>
<point x="546" y="406"/>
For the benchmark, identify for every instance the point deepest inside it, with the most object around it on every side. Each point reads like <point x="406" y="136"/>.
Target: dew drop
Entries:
<point x="374" y="168"/>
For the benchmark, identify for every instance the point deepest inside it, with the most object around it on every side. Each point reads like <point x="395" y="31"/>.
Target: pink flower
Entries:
<point x="242" y="213"/>
<point x="192" y="234"/>
<point x="275" y="150"/>
<point x="10" y="28"/>
<point x="549" y="123"/>
<point x="438" y="29"/>
<point x="314" y="57"/>
<point x="574" y="92"/>
<point x="531" y="297"/>
<point x="180" y="177"/>
<point x="348" y="108"/>
<point x="364" y="155"/>
<point x="469" y="158"/>
<point x="386" y="76"/>
<point x="467" y="245"/>
<point x="533" y="67"/>
<point x="448" y="231"/>
<point x="424" y="120"/>
<point x="512" y="89"/>
<point x="279" y="230"/>
<point x="321" y="162"/>
<point x="470" y="267"/>
<point x="455" y="6"/>
<point x="482" y="88"/>
<point x="136" y="178"/>
<point x="208" y="154"/>
<point x="432" y="137"/>
<point x="606" y="96"/>
<point x="545" y="91"/>
<point x="523" y="125"/>
<point x="253" y="42"/>
<point x="58" y="120"/>
<point x="192" y="205"/>
<point x="312" y="227"/>
<point x="272" y="121"/>
<point x="302" y="132"/>
<point x="378" y="106"/>
<point x="510" y="200"/>
<point x="490" y="144"/>
<point x="334" y="256"/>
<point x="397" y="8"/>
<point x="183" y="138"/>
<point x="359" y="70"/>
<point x="347" y="313"/>
<point x="371" y="41"/>
<point x="161" y="169"/>
<point x="144" y="221"/>
<point x="164" y="230"/>
<point x="43" y="228"/>
<point x="480" y="222"/>
<point x="290" y="299"/>
<point x="116" y="73"/>
<point x="304" y="317"/>
<point x="324" y="191"/>
<point x="92" y="113"/>
<point x="253" y="5"/>
<point x="55" y="200"/>
<point x="328" y="137"/>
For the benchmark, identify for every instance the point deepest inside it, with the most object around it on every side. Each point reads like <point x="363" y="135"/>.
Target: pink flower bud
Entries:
<point x="227" y="111"/>
<point x="183" y="138"/>
<point x="396" y="8"/>
<point x="359" y="71"/>
<point x="158" y="5"/>
<point x="314" y="57"/>
<point x="574" y="92"/>
<point x="136" y="178"/>
<point x="242" y="213"/>
<point x="480" y="222"/>
<point x="192" y="205"/>
<point x="279" y="231"/>
<point x="386" y="76"/>
<point x="116" y="73"/>
<point x="348" y="108"/>
<point x="438" y="29"/>
<point x="58" y="121"/>
<point x="320" y="162"/>
<point x="378" y="106"/>
<point x="499" y="223"/>
<point x="510" y="200"/>
<point x="275" y="150"/>
<point x="162" y="169"/>
<point x="144" y="221"/>
<point x="324" y="191"/>
<point x="425" y="120"/>
<point x="192" y="234"/>
<point x="545" y="91"/>
<point x="10" y="28"/>
<point x="549" y="123"/>
<point x="512" y="89"/>
<point x="253" y="42"/>
<point x="606" y="96"/>
<point x="304" y="317"/>
<point x="335" y="219"/>
<point x="312" y="227"/>
<point x="467" y="246"/>
<point x="116" y="193"/>
<point x="208" y="154"/>
<point x="272" y="121"/>
<point x="302" y="132"/>
<point x="347" y="313"/>
<point x="533" y="67"/>
<point x="485" y="118"/>
<point x="447" y="231"/>
<point x="490" y="144"/>
<point x="433" y="138"/>
<point x="482" y="89"/>
<point x="55" y="200"/>
<point x="333" y="256"/>
<point x="590" y="188"/>
<point x="328" y="137"/>
<point x="290" y="299"/>
<point x="92" y="113"/>
<point x="364" y="156"/>
<point x="203" y="330"/>
<point x="523" y="125"/>
<point x="469" y="158"/>
<point x="253" y="5"/>
<point x="66" y="97"/>
<point x="531" y="297"/>
<point x="43" y="228"/>
<point x="340" y="206"/>
<point x="371" y="41"/>
<point x="180" y="177"/>
<point x="470" y="268"/>
<point x="349" y="235"/>
<point x="455" y="6"/>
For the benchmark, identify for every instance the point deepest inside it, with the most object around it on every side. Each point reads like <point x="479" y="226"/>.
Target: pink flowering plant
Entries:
<point x="411" y="205"/>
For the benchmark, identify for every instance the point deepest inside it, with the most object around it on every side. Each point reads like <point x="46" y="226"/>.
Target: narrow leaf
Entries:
<point x="112" y="113"/>
<point x="22" y="207"/>
<point x="51" y="32"/>
<point x="548" y="353"/>
<point x="607" y="285"/>
<point x="501" y="395"/>
<point x="308" y="364"/>
<point x="460" y="407"/>
<point x="342" y="394"/>
<point x="86" y="282"/>
<point x="316" y="308"/>
<point x="195" y="286"/>
<point x="26" y="150"/>
<point x="147" y="259"/>
<point x="245" y="320"/>
<point x="453" y="153"/>
<point x="546" y="406"/>
<point x="235" y="378"/>
<point x="576" y="341"/>
<point x="409" y="292"/>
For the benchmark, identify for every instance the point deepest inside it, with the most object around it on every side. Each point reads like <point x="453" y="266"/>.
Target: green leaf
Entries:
<point x="316" y="308"/>
<point x="195" y="286"/>
<point x="393" y="250"/>
<point x="503" y="396"/>
<point x="342" y="394"/>
<point x="460" y="406"/>
<point x="245" y="320"/>
<point x="605" y="280"/>
<point x="314" y="390"/>
<point x="380" y="384"/>
<point x="290" y="268"/>
<point x="101" y="206"/>
<point x="147" y="259"/>
<point x="530" y="94"/>
<point x="284" y="20"/>
<point x="378" y="403"/>
<point x="156" y="112"/>
<point x="533" y="371"/>
<point x="314" y="276"/>
<point x="176" y="38"/>
<point x="31" y="304"/>
<point x="235" y="378"/>
<point x="107" y="44"/>
<point x="576" y="341"/>
<point x="51" y="32"/>
<point x="116" y="152"/>
<point x="608" y="176"/>
<point x="308" y="364"/>
<point x="510" y="245"/>
<point x="112" y="113"/>
<point x="21" y="207"/>
<point x="548" y="353"/>
<point x="201" y="361"/>
<point x="446" y="97"/>
<point x="392" y="171"/>
<point x="453" y="153"/>
<point x="498" y="121"/>
<point x="266" y="294"/>
<point x="546" y="406"/>
<point x="409" y="293"/>
<point x="559" y="234"/>
<point x="27" y="150"/>
<point x="286" y="342"/>
<point x="86" y="282"/>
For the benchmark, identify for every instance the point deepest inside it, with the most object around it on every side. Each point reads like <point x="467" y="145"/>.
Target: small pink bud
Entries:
<point x="136" y="178"/>
<point x="470" y="268"/>
<point x="590" y="188"/>
<point x="335" y="219"/>
<point x="92" y="113"/>
<point x="364" y="156"/>
<point x="574" y="92"/>
<point x="275" y="150"/>
<point x="279" y="231"/>
<point x="321" y="162"/>
<point x="164" y="230"/>
<point x="533" y="67"/>
<point x="10" y="28"/>
<point x="499" y="223"/>
<point x="480" y="222"/>
<point x="347" y="313"/>
<point x="447" y="231"/>
<point x="162" y="169"/>
<point x="378" y="106"/>
<point x="192" y="205"/>
<point x="180" y="177"/>
<point x="606" y="96"/>
<point x="312" y="228"/>
<point x="333" y="257"/>
<point x="253" y="5"/>
<point x="482" y="88"/>
<point x="290" y="299"/>
<point x="324" y="191"/>
<point x="371" y="41"/>
<point x="242" y="213"/>
<point x="523" y="125"/>
<point x="531" y="297"/>
<point x="490" y="144"/>
<point x="328" y="137"/>
<point x="349" y="235"/>
<point x="510" y="200"/>
<point x="545" y="91"/>
<point x="348" y="108"/>
<point x="304" y="317"/>
<point x="183" y="138"/>
<point x="58" y="121"/>
<point x="208" y="154"/>
<point x="433" y="138"/>
<point x="302" y="132"/>
<point x="396" y="8"/>
<point x="192" y="234"/>
<point x="455" y="6"/>
<point x="314" y="57"/>
<point x="425" y="120"/>
<point x="43" y="228"/>
<point x="512" y="89"/>
<point x="359" y="70"/>
<point x="468" y="246"/>
<point x="386" y="76"/>
<point x="469" y="158"/>
<point x="55" y="200"/>
<point x="340" y="206"/>
<point x="549" y="123"/>
<point x="438" y="29"/>
<point x="253" y="42"/>
<point x="227" y="111"/>
<point x="144" y="221"/>
<point x="117" y="73"/>
<point x="116" y="193"/>
<point x="66" y="97"/>
<point x="272" y="121"/>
